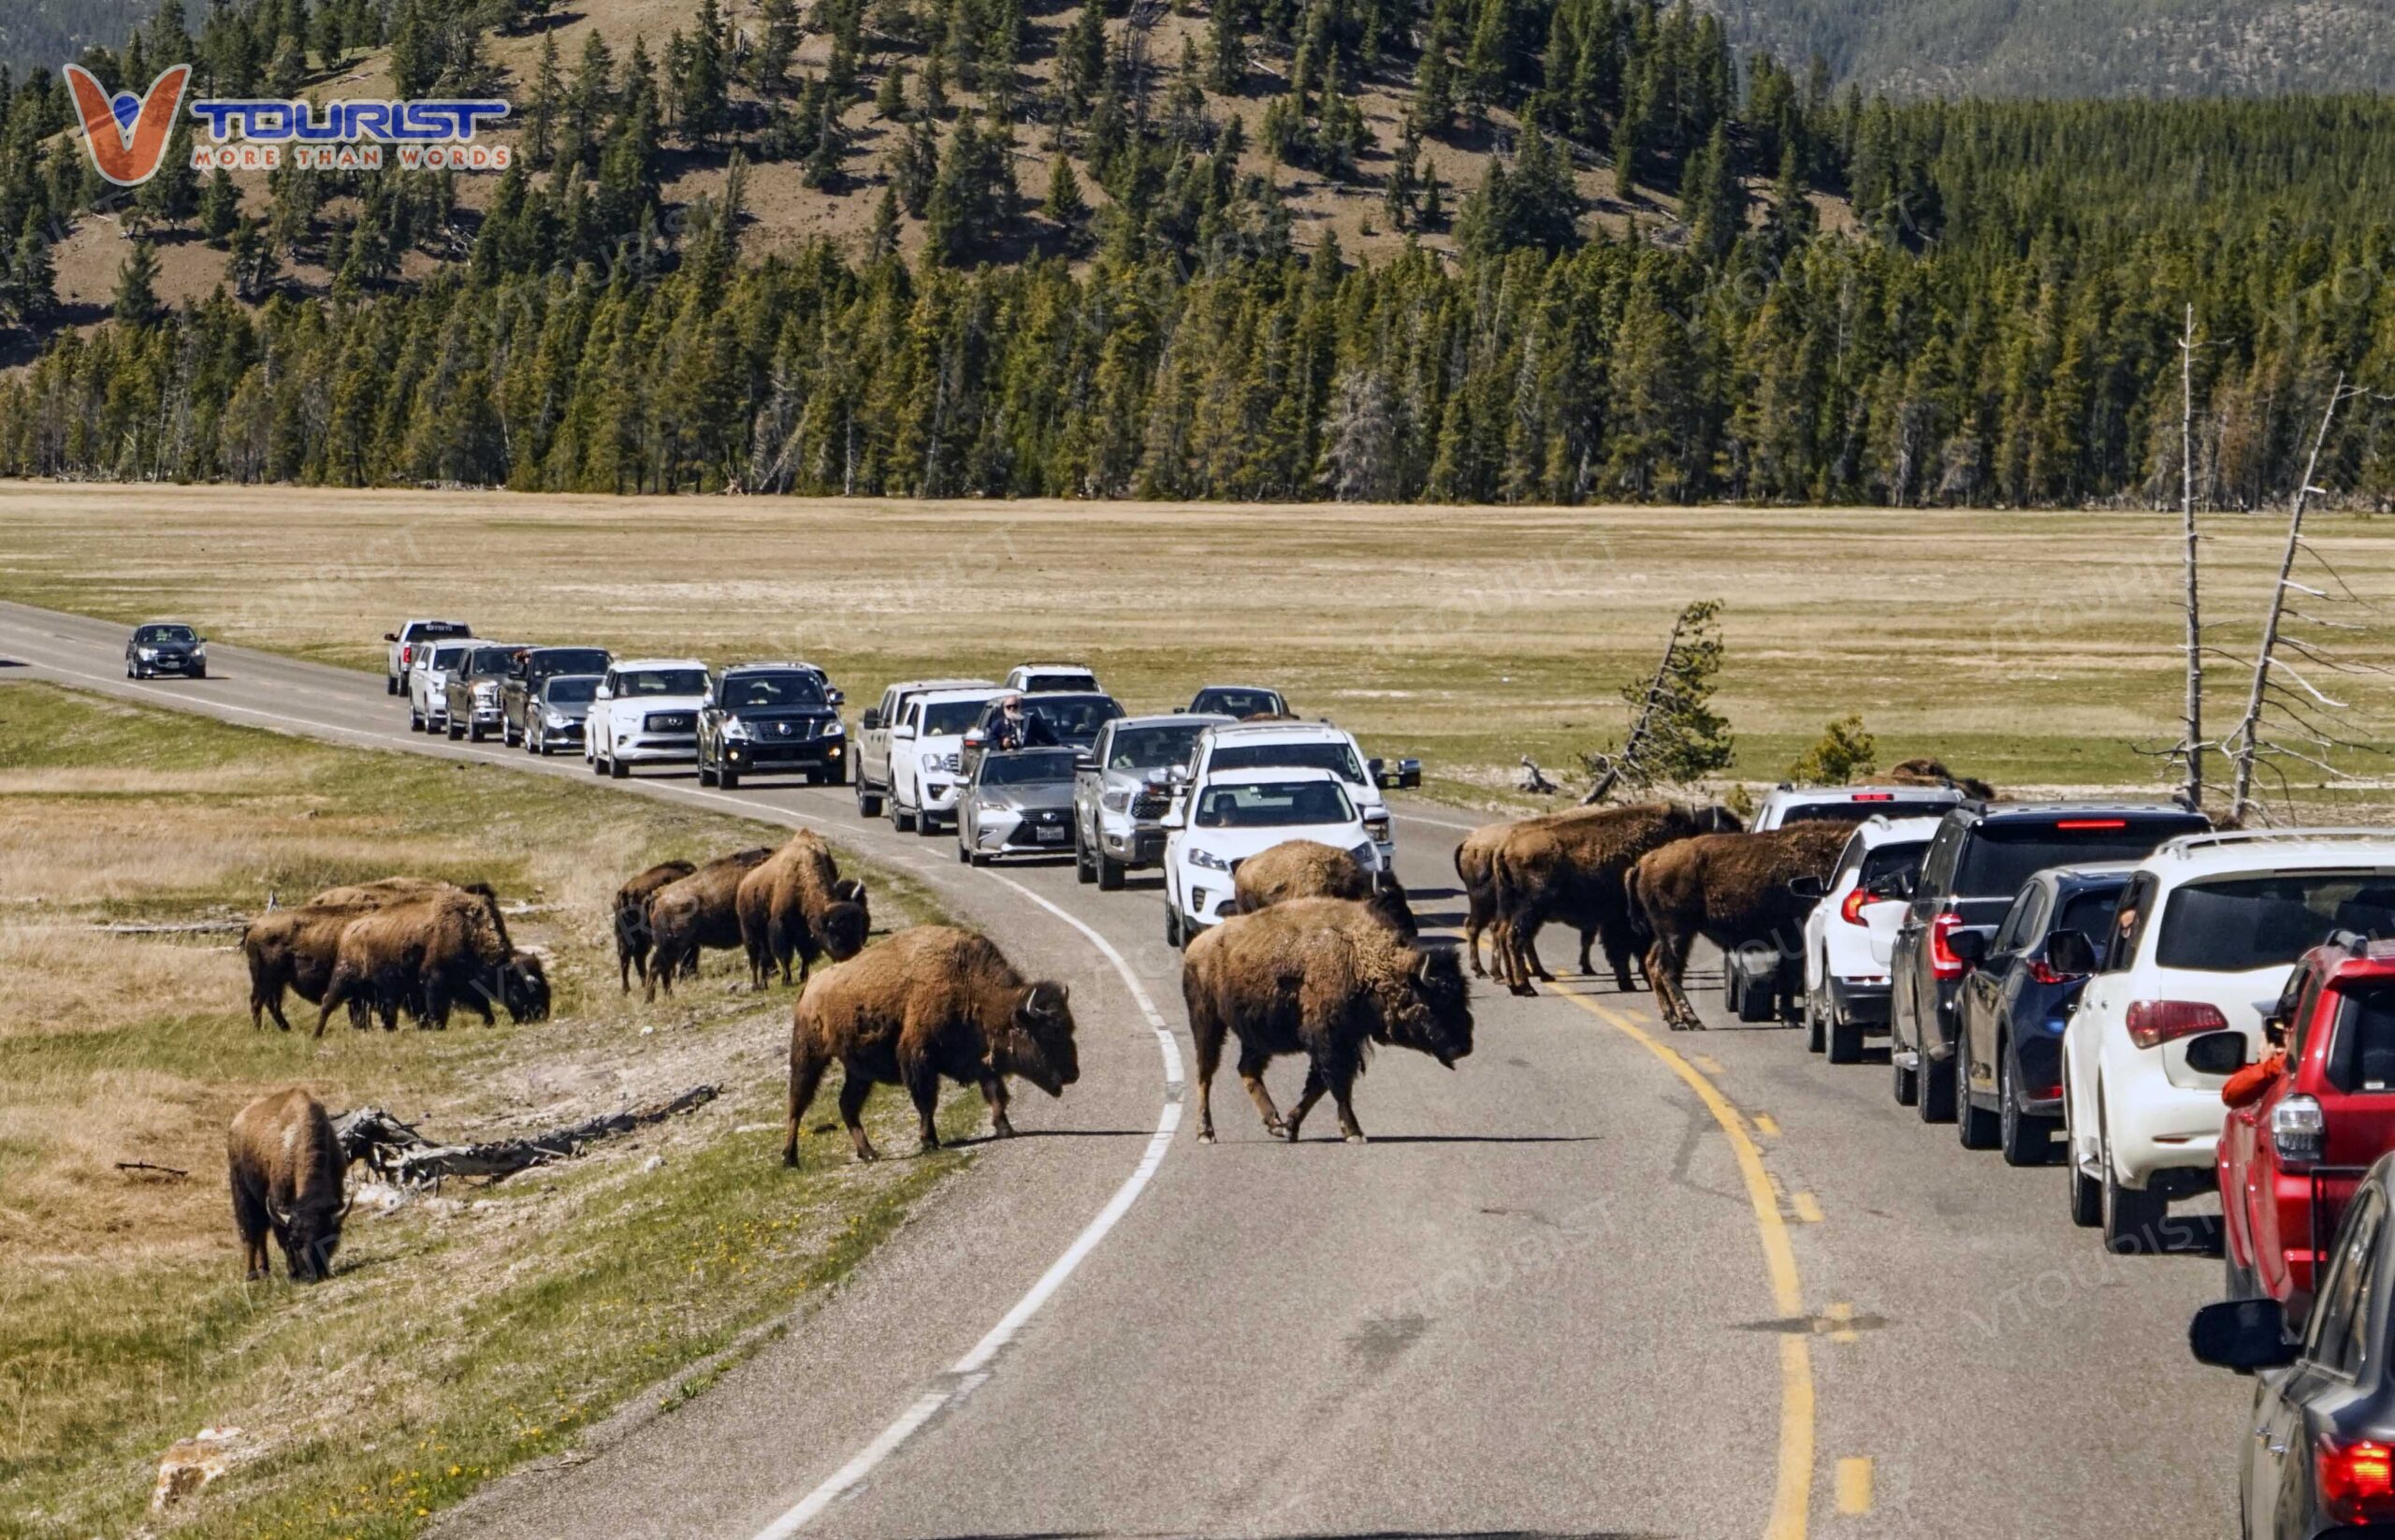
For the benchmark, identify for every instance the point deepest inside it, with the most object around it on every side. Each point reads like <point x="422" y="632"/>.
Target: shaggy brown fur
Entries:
<point x="1321" y="977"/>
<point x="1307" y="868"/>
<point x="694" y="912"/>
<point x="798" y="902"/>
<point x="1929" y="772"/>
<point x="286" y="1170"/>
<point x="1730" y="888"/>
<point x="382" y="891"/>
<point x="931" y="1001"/>
<point x="427" y="955"/>
<point x="631" y="918"/>
<point x="292" y="950"/>
<point x="1569" y="868"/>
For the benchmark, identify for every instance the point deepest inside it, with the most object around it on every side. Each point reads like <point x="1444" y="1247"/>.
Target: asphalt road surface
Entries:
<point x="1600" y="1280"/>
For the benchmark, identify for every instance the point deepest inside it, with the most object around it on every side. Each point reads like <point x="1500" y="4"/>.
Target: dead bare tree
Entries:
<point x="2191" y="742"/>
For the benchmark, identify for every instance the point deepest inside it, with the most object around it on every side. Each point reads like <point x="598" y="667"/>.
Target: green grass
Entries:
<point x="460" y="1336"/>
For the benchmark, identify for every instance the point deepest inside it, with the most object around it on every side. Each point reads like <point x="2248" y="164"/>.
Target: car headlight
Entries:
<point x="734" y="728"/>
<point x="553" y="719"/>
<point x="835" y="730"/>
<point x="1376" y="825"/>
<point x="1115" y="802"/>
<point x="146" y="655"/>
<point x="485" y="692"/>
<point x="1208" y="859"/>
<point x="1368" y="855"/>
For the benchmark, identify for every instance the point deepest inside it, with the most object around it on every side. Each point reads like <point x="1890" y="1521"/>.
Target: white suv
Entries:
<point x="2202" y="944"/>
<point x="1052" y="679"/>
<point x="646" y="711"/>
<point x="1230" y="815"/>
<point x="1288" y="746"/>
<point x="1852" y="930"/>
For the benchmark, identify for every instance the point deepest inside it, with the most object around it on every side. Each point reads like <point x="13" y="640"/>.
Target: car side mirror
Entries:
<point x="1174" y="819"/>
<point x="1809" y="886"/>
<point x="390" y="636"/>
<point x="2070" y="952"/>
<point x="1970" y="943"/>
<point x="2241" y="1335"/>
<point x="871" y="721"/>
<point x="1084" y="761"/>
<point x="1181" y="711"/>
<point x="903" y="733"/>
<point x="976" y="739"/>
<point x="602" y="694"/>
<point x="2218" y="1054"/>
<point x="838" y="697"/>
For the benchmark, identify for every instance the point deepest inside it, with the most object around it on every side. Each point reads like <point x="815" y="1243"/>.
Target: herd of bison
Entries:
<point x="1321" y="961"/>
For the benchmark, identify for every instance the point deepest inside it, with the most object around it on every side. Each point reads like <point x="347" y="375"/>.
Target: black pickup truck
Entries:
<point x="532" y="665"/>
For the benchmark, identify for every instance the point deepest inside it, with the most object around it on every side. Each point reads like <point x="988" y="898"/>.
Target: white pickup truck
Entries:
<point x="408" y="640"/>
<point x="876" y="776"/>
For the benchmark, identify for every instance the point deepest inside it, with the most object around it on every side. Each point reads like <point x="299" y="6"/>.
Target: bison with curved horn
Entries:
<point x="1569" y="868"/>
<point x="631" y="918"/>
<point x="287" y="1170"/>
<point x="798" y="902"/>
<point x="1308" y="868"/>
<point x="694" y="912"/>
<point x="931" y="1002"/>
<point x="1325" y="978"/>
<point x="1734" y="890"/>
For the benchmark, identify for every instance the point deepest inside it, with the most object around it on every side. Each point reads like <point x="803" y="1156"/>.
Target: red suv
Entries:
<point x="2291" y="1156"/>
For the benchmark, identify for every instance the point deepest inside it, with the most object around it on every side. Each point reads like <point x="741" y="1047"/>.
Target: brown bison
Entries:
<point x="1307" y="868"/>
<point x="287" y="1170"/>
<point x="382" y="891"/>
<point x="798" y="902"/>
<point x="1930" y="772"/>
<point x="292" y="950"/>
<point x="1321" y="977"/>
<point x="427" y="955"/>
<point x="931" y="1001"/>
<point x="694" y="912"/>
<point x="1732" y="890"/>
<point x="1569" y="868"/>
<point x="631" y="918"/>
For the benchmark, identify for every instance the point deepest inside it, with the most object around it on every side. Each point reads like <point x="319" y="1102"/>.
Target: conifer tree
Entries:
<point x="1226" y="50"/>
<point x="220" y="207"/>
<point x="136" y="286"/>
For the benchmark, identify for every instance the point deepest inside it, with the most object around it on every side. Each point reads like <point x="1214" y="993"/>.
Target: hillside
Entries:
<point x="2078" y="48"/>
<point x="45" y="34"/>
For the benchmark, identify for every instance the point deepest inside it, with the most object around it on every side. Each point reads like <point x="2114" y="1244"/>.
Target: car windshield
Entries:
<point x="1068" y="679"/>
<point x="1075" y="719"/>
<point x="425" y="630"/>
<point x="2238" y="924"/>
<point x="2361" y="1056"/>
<point x="1999" y="857"/>
<point x="550" y="660"/>
<point x="489" y="661"/>
<point x="764" y="692"/>
<point x="1273" y="804"/>
<point x="1847" y="810"/>
<point x="663" y="681"/>
<point x="571" y="689"/>
<point x="1237" y="703"/>
<point x="1152" y="747"/>
<point x="949" y="718"/>
<point x="1884" y="866"/>
<point x="446" y="657"/>
<point x="1027" y="766"/>
<point x="165" y="633"/>
<point x="1288" y="754"/>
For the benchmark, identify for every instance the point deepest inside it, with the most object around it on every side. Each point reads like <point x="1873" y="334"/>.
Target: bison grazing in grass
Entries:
<point x="287" y="1170"/>
<point x="694" y="912"/>
<point x="932" y="1002"/>
<point x="383" y="892"/>
<point x="1325" y="978"/>
<point x="798" y="902"/>
<point x="1569" y="868"/>
<point x="632" y="917"/>
<point x="1732" y="890"/>
<point x="427" y="955"/>
<point x="292" y="950"/>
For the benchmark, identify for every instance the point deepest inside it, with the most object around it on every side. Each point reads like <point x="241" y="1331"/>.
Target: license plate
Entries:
<point x="1049" y="836"/>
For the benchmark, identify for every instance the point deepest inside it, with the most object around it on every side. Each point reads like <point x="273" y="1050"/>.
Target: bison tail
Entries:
<point x="1636" y="904"/>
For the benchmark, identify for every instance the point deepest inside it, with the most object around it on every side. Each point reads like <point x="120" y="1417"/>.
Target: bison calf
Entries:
<point x="933" y="1001"/>
<point x="694" y="912"/>
<point x="796" y="902"/>
<point x="287" y="1168"/>
<point x="631" y="918"/>
<point x="1325" y="978"/>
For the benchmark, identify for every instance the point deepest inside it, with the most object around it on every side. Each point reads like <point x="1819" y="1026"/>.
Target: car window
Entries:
<point x="488" y="662"/>
<point x="1027" y="766"/>
<point x="2128" y="924"/>
<point x="1034" y="683"/>
<point x="946" y="719"/>
<point x="1151" y="748"/>
<point x="2088" y="911"/>
<point x="2334" y="1337"/>
<point x="566" y="660"/>
<point x="768" y="692"/>
<point x="2002" y="855"/>
<point x="1273" y="805"/>
<point x="2238" y="924"/>
<point x="447" y="656"/>
<point x="1286" y="754"/>
<point x="569" y="688"/>
<point x="1237" y="703"/>
<point x="1937" y="867"/>
<point x="165" y="633"/>
<point x="2361" y="1054"/>
<point x="663" y="681"/>
<point x="1885" y="866"/>
<point x="2021" y="920"/>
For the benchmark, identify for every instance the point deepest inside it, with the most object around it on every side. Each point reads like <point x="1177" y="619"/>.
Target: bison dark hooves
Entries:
<point x="1205" y="1135"/>
<point x="1526" y="990"/>
<point x="1002" y="1129"/>
<point x="868" y="1153"/>
<point x="1359" y="1139"/>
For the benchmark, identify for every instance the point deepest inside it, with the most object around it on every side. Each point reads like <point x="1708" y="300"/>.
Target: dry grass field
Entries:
<point x="2035" y="649"/>
<point x="494" y="1320"/>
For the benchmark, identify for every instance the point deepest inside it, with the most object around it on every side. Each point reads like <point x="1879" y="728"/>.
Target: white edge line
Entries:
<point x="969" y="1371"/>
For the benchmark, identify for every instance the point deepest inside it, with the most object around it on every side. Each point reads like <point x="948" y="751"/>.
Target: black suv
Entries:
<point x="1977" y="860"/>
<point x="523" y="682"/>
<point x="764" y="717"/>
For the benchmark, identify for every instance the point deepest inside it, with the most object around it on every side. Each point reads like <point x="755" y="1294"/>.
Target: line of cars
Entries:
<point x="2194" y="1012"/>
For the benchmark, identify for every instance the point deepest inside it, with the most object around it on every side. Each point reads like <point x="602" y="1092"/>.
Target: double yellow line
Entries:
<point x="1792" y="1493"/>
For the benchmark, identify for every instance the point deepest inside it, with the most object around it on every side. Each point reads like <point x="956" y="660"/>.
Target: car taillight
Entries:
<point x="2298" y="1132"/>
<point x="2043" y="972"/>
<point x="1875" y="796"/>
<point x="2153" y="1022"/>
<point x="2078" y="825"/>
<point x="407" y="655"/>
<point x="1943" y="963"/>
<point x="2358" y="1482"/>
<point x="1852" y="910"/>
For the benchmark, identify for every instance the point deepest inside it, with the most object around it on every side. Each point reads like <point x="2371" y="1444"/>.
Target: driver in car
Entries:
<point x="1019" y="729"/>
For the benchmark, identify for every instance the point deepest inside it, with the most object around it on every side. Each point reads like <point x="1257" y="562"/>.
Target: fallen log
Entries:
<point x="397" y="1153"/>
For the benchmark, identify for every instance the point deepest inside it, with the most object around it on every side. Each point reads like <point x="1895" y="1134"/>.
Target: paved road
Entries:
<point x="1600" y="1280"/>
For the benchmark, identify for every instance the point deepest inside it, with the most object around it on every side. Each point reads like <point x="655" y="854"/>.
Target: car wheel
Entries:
<point x="1084" y="870"/>
<point x="2025" y="1141"/>
<point x="453" y="731"/>
<point x="2087" y="1196"/>
<point x="474" y="732"/>
<point x="201" y="673"/>
<point x="868" y="806"/>
<point x="1846" y="1040"/>
<point x="1752" y="999"/>
<point x="836" y="775"/>
<point x="1816" y="1029"/>
<point x="1173" y="936"/>
<point x="1110" y="873"/>
<point x="903" y="819"/>
<point x="390" y="686"/>
<point x="706" y="776"/>
<point x="1975" y="1126"/>
<point x="1937" y="1100"/>
<point x="616" y="769"/>
<point x="727" y="778"/>
<point x="2131" y="1217"/>
<point x="1907" y="1082"/>
<point x="963" y="856"/>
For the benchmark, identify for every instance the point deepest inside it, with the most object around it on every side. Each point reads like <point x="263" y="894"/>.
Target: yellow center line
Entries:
<point x="1766" y="1126"/>
<point x="1854" y="1484"/>
<point x="1791" y="1494"/>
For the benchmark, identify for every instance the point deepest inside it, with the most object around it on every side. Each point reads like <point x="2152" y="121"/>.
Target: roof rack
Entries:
<point x="2185" y="844"/>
